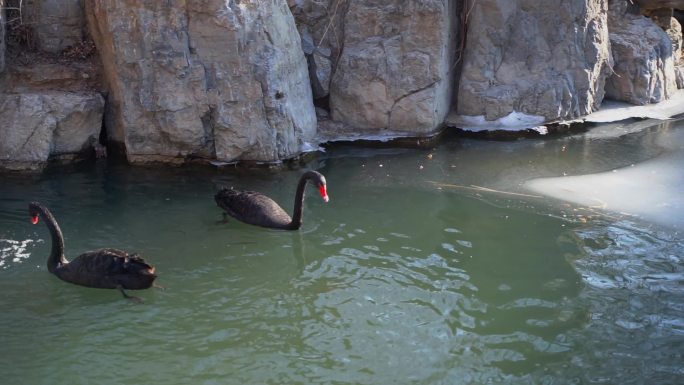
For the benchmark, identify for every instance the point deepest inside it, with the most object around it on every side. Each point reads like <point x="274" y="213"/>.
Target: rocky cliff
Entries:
<point x="262" y="81"/>
<point x="549" y="61"/>
<point x="216" y="79"/>
<point x="644" y="55"/>
<point x="396" y="69"/>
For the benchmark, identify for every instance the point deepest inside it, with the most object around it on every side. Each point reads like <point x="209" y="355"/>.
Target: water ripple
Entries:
<point x="12" y="251"/>
<point x="634" y="296"/>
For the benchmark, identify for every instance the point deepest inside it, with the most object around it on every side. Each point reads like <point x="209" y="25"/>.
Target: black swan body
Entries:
<point x="258" y="209"/>
<point x="102" y="268"/>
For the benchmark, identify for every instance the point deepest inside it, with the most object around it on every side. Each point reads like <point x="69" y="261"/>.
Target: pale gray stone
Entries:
<point x="396" y="70"/>
<point x="57" y="24"/>
<point x="522" y="57"/>
<point x="320" y="24"/>
<point x="320" y="72"/>
<point x="679" y="74"/>
<point x="378" y="57"/>
<point x="675" y="34"/>
<point x="223" y="80"/>
<point x="37" y="126"/>
<point x="643" y="55"/>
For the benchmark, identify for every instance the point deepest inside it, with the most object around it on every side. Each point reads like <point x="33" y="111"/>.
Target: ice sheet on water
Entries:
<point x="653" y="190"/>
<point x="613" y="111"/>
<point x="610" y="111"/>
<point x="515" y="121"/>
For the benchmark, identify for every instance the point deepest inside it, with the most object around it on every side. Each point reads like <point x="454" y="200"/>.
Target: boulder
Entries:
<point x="675" y="33"/>
<point x="216" y="79"/>
<point x="644" y="69"/>
<point x="664" y="18"/>
<point x="548" y="62"/>
<point x="37" y="126"/>
<point x="396" y="69"/>
<point x="57" y="24"/>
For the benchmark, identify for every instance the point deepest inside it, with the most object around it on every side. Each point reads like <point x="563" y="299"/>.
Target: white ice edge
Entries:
<point x="610" y="111"/>
<point x="651" y="190"/>
<point x="515" y="121"/>
<point x="384" y="137"/>
<point x="310" y="147"/>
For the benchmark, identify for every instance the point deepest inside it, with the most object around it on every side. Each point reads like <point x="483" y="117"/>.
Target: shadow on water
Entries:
<point x="428" y="266"/>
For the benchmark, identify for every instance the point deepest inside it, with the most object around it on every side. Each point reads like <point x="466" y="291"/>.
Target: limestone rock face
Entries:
<point x="385" y="65"/>
<point x="674" y="31"/>
<point x="664" y="18"/>
<point x="644" y="62"/>
<point x="549" y="61"/>
<point x="217" y="79"/>
<point x="38" y="126"/>
<point x="395" y="71"/>
<point x="320" y="66"/>
<point x="57" y="24"/>
<point x="321" y="26"/>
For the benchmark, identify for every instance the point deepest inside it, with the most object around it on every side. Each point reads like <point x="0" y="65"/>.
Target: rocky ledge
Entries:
<point x="244" y="81"/>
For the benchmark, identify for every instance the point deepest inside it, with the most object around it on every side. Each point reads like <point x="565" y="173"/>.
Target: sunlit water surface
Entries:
<point x="420" y="270"/>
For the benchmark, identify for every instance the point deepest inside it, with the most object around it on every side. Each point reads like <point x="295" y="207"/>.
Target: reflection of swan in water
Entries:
<point x="258" y="209"/>
<point x="299" y="252"/>
<point x="102" y="268"/>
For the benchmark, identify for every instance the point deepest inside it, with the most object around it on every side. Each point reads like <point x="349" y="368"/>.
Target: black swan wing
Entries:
<point x="252" y="207"/>
<point x="108" y="268"/>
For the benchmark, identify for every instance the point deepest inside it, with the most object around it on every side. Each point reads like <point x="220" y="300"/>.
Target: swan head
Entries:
<point x="321" y="184"/>
<point x="324" y="193"/>
<point x="34" y="211"/>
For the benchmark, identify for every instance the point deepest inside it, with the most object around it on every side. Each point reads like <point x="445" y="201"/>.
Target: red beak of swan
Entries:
<point x="324" y="193"/>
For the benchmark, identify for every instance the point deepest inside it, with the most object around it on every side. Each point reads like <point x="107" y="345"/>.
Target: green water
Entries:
<point x="397" y="280"/>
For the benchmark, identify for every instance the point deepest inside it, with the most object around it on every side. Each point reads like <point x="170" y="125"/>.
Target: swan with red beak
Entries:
<point x="257" y="209"/>
<point x="101" y="268"/>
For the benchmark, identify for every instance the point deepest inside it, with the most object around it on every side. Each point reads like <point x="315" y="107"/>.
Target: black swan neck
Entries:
<point x="56" y="257"/>
<point x="298" y="211"/>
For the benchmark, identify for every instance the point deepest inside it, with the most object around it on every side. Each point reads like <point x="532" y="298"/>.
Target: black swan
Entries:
<point x="102" y="268"/>
<point x="258" y="209"/>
